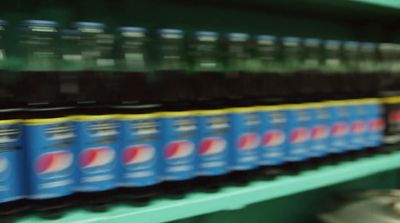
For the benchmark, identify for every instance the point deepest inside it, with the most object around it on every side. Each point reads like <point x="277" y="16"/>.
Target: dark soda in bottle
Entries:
<point x="12" y="162"/>
<point x="238" y="79"/>
<point x="204" y="55"/>
<point x="177" y="124"/>
<point x="48" y="133"/>
<point x="211" y="119"/>
<point x="139" y="152"/>
<point x="268" y="79"/>
<point x="96" y="129"/>
<point x="332" y="69"/>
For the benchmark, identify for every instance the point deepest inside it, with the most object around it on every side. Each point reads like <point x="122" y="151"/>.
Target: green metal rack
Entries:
<point x="231" y="198"/>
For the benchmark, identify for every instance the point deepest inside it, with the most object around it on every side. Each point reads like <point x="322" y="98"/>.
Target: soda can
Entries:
<point x="375" y="122"/>
<point x="339" y="126"/>
<point x="12" y="167"/>
<point x="274" y="136"/>
<point x="358" y="124"/>
<point x="95" y="149"/>
<point x="244" y="139"/>
<point x="49" y="146"/>
<point x="320" y="129"/>
<point x="178" y="143"/>
<point x="139" y="153"/>
<point x="299" y="130"/>
<point x="212" y="142"/>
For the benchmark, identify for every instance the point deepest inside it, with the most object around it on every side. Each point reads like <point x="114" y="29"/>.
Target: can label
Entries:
<point x="299" y="125"/>
<point x="245" y="141"/>
<point x="358" y="126"/>
<point x="212" y="144"/>
<point x="139" y="152"/>
<point x="339" y="128"/>
<point x="320" y="131"/>
<point x="96" y="144"/>
<point x="375" y="125"/>
<point x="274" y="137"/>
<point x="178" y="135"/>
<point x="12" y="180"/>
<point x="50" y="159"/>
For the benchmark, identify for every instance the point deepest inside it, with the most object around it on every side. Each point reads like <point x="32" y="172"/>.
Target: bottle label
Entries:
<point x="96" y="143"/>
<point x="244" y="140"/>
<point x="392" y="119"/>
<point x="375" y="125"/>
<point x="178" y="133"/>
<point x="140" y="152"/>
<point x="274" y="137"/>
<point x="299" y="128"/>
<point x="12" y="180"/>
<point x="339" y="128"/>
<point x="320" y="131"/>
<point x="212" y="144"/>
<point x="50" y="160"/>
<point x="358" y="126"/>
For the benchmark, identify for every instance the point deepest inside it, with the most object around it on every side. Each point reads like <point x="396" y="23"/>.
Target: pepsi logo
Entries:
<point x="273" y="138"/>
<point x="394" y="116"/>
<point x="358" y="127"/>
<point x="96" y="157"/>
<point x="299" y="135"/>
<point x="340" y="129"/>
<point x="53" y="162"/>
<point x="376" y="125"/>
<point x="212" y="146"/>
<point x="137" y="154"/>
<point x="179" y="149"/>
<point x="248" y="141"/>
<point x="319" y="132"/>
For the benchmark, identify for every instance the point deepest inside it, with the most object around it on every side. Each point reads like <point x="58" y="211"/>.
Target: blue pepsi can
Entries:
<point x="339" y="126"/>
<point x="212" y="142"/>
<point x="358" y="124"/>
<point x="178" y="145"/>
<point x="49" y="146"/>
<point x="95" y="149"/>
<point x="139" y="154"/>
<point x="299" y="129"/>
<point x="12" y="163"/>
<point x="273" y="133"/>
<point x="244" y="139"/>
<point x="375" y="122"/>
<point x="320" y="129"/>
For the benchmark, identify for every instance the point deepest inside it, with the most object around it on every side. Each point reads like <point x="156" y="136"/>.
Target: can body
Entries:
<point x="178" y="138"/>
<point x="244" y="140"/>
<point x="96" y="143"/>
<point x="274" y="135"/>
<point x="12" y="162"/>
<point x="212" y="143"/>
<point x="139" y="153"/>
<point x="49" y="147"/>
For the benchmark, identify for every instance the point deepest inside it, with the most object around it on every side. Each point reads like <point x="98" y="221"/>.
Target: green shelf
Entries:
<point x="385" y="3"/>
<point x="231" y="198"/>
